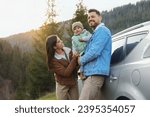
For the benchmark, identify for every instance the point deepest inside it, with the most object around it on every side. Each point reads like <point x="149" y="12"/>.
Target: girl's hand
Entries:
<point x="81" y="40"/>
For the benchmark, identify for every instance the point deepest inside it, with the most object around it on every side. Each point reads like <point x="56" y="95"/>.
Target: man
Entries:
<point x="96" y="58"/>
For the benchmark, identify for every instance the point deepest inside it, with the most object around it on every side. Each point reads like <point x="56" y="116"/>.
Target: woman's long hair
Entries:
<point x="50" y="43"/>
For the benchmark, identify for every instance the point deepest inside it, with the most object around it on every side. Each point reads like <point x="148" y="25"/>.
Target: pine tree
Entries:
<point x="17" y="72"/>
<point x="40" y="80"/>
<point x="5" y="58"/>
<point x="81" y="15"/>
<point x="13" y="65"/>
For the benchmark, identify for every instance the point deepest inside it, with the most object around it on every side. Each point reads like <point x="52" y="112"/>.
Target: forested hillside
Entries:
<point x="22" y="40"/>
<point x="13" y="70"/>
<point x="23" y="67"/>
<point x="126" y="16"/>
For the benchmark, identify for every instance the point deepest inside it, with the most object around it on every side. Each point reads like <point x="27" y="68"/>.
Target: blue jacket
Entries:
<point x="96" y="59"/>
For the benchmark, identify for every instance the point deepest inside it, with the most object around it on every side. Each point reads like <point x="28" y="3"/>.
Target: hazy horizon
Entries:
<point x="19" y="16"/>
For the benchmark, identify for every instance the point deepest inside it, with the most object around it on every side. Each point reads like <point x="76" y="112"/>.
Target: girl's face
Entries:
<point x="59" y="44"/>
<point x="77" y="30"/>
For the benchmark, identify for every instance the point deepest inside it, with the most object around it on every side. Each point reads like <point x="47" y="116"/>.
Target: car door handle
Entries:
<point x="113" y="77"/>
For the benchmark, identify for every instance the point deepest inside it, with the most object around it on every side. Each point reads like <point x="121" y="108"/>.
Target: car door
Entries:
<point x="131" y="76"/>
<point x="111" y="83"/>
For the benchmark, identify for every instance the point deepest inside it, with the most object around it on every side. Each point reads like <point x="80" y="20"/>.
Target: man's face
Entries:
<point x="94" y="19"/>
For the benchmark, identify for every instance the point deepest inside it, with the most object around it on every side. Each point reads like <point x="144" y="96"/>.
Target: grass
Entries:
<point x="49" y="96"/>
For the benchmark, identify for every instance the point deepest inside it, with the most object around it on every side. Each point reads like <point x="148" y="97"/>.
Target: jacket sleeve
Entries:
<point x="97" y="45"/>
<point x="87" y="36"/>
<point x="65" y="71"/>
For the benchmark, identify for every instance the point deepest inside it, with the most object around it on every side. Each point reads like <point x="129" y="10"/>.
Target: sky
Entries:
<point x="18" y="16"/>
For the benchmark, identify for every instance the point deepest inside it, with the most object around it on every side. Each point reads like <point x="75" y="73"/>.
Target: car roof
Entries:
<point x="140" y="27"/>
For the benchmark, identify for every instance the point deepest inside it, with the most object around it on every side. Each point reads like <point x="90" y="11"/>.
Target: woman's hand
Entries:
<point x="76" y="54"/>
<point x="79" y="61"/>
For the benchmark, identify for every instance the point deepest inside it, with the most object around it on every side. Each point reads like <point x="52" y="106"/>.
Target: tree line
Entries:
<point x="126" y="16"/>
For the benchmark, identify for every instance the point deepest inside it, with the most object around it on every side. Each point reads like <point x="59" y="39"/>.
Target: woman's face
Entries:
<point x="59" y="44"/>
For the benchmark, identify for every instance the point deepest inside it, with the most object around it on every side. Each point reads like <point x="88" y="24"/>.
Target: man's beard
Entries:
<point x="94" y="25"/>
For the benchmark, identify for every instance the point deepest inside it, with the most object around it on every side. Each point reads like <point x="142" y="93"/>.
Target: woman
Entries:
<point x="63" y="63"/>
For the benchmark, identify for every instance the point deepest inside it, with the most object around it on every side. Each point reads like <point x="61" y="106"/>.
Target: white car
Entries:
<point x="130" y="65"/>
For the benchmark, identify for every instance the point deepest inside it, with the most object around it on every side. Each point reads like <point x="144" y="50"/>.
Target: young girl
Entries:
<point x="79" y="40"/>
<point x="63" y="63"/>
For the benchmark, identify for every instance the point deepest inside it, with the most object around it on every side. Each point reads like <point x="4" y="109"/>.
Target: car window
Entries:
<point x="117" y="51"/>
<point x="133" y="41"/>
<point x="147" y="52"/>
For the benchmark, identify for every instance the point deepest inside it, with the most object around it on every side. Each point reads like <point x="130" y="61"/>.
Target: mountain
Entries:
<point x="22" y="40"/>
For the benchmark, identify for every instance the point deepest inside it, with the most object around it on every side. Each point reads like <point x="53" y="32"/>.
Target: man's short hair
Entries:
<point x="94" y="10"/>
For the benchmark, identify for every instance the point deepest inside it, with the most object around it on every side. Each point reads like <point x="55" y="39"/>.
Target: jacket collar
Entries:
<point x="67" y="51"/>
<point x="100" y="25"/>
